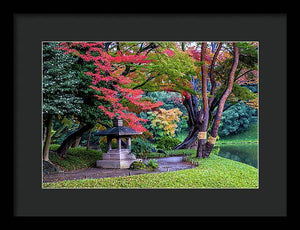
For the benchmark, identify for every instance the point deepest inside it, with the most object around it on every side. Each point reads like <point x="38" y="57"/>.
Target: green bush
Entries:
<point x="137" y="165"/>
<point x="170" y="100"/>
<point x="167" y="143"/>
<point x="236" y="119"/>
<point x="140" y="147"/>
<point x="182" y="125"/>
<point x="152" y="164"/>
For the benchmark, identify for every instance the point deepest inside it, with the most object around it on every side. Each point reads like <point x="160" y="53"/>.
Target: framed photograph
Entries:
<point x="150" y="115"/>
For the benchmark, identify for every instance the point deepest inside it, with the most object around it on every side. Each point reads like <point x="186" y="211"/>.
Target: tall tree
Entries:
<point x="217" y="119"/>
<point x="111" y="81"/>
<point x="90" y="115"/>
<point x="59" y="84"/>
<point x="219" y="68"/>
<point x="231" y="66"/>
<point x="204" y="113"/>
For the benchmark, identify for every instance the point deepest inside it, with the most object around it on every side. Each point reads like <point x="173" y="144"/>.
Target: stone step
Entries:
<point x="114" y="164"/>
<point x="118" y="156"/>
<point x="119" y="151"/>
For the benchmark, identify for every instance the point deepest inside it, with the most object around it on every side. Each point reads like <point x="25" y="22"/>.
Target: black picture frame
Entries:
<point x="29" y="199"/>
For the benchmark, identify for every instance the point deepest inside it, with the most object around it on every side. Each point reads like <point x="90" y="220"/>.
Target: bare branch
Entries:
<point x="243" y="74"/>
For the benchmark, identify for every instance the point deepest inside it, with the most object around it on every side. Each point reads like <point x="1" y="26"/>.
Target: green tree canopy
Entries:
<point x="60" y="82"/>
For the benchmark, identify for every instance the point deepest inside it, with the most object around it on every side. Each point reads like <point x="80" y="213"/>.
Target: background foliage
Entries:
<point x="167" y="143"/>
<point x="236" y="119"/>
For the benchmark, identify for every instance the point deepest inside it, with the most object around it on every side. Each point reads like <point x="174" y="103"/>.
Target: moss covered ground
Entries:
<point x="76" y="158"/>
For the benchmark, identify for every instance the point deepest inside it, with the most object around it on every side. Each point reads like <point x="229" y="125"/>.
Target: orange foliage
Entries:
<point x="167" y="120"/>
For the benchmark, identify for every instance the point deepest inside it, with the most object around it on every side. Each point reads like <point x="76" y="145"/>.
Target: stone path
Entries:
<point x="165" y="164"/>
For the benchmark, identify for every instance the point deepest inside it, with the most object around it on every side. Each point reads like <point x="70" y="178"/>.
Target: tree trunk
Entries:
<point x="191" y="141"/>
<point x="44" y="134"/>
<point x="59" y="131"/>
<point x="199" y="121"/>
<point x="205" y="111"/>
<point x="63" y="148"/>
<point x="218" y="116"/>
<point x="47" y="139"/>
<point x="88" y="140"/>
<point x="77" y="140"/>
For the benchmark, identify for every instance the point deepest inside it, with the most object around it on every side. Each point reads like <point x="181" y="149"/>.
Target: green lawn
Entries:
<point x="213" y="172"/>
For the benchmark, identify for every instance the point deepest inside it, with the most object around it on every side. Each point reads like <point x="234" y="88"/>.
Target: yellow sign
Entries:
<point x="212" y="140"/>
<point x="202" y="135"/>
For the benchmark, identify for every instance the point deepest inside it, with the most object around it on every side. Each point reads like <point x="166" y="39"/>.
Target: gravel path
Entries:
<point x="165" y="164"/>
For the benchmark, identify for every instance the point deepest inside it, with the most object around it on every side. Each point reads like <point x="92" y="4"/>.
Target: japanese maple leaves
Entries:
<point x="120" y="58"/>
<point x="115" y="87"/>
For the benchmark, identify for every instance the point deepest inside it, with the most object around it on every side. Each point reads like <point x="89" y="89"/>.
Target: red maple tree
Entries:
<point x="109" y="69"/>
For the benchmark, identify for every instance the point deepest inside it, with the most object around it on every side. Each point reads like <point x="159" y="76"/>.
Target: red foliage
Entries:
<point x="121" y="58"/>
<point x="169" y="52"/>
<point x="196" y="54"/>
<point x="185" y="95"/>
<point x="115" y="83"/>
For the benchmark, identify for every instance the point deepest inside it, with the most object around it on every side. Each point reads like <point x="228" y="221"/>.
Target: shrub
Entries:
<point x="165" y="122"/>
<point x="167" y="143"/>
<point x="136" y="165"/>
<point x="152" y="164"/>
<point x="140" y="147"/>
<point x="145" y="136"/>
<point x="236" y="119"/>
<point x="182" y="126"/>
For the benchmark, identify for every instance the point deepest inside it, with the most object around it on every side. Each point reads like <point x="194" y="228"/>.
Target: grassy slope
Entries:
<point x="213" y="172"/>
<point x="76" y="158"/>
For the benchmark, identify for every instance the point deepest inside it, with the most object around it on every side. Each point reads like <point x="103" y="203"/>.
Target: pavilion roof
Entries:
<point x="117" y="131"/>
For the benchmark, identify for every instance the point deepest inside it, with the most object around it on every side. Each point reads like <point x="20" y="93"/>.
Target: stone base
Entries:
<point x="116" y="159"/>
<point x="114" y="164"/>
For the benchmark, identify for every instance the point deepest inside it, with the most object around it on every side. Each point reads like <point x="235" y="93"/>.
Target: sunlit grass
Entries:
<point x="213" y="172"/>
